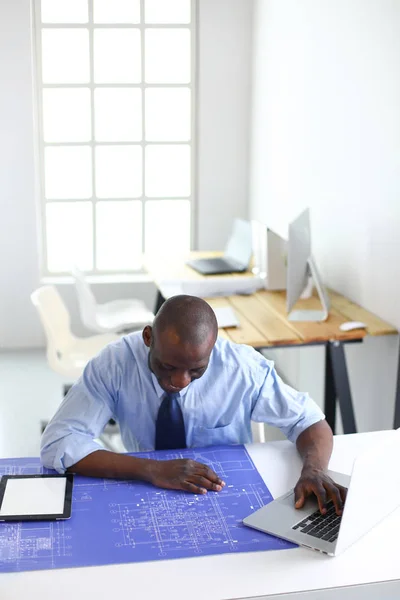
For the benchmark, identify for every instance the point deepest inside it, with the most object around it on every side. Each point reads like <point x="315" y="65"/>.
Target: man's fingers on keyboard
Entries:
<point x="334" y="493"/>
<point x="321" y="495"/>
<point x="299" y="497"/>
<point x="343" y="493"/>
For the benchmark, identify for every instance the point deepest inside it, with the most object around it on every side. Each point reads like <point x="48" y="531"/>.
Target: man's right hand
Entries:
<point x="180" y="474"/>
<point x="184" y="474"/>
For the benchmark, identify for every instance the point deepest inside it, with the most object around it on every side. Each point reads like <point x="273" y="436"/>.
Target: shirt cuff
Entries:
<point x="304" y="423"/>
<point x="69" y="453"/>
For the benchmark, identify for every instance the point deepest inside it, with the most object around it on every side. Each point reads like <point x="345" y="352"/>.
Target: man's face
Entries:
<point x="173" y="363"/>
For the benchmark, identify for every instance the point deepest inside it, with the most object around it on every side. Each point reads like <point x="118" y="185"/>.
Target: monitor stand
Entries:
<point x="313" y="315"/>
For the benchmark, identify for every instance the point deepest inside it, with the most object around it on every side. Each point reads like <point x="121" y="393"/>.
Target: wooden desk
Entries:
<point x="369" y="569"/>
<point x="264" y="324"/>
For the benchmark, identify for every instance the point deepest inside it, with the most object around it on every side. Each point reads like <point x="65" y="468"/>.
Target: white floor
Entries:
<point x="29" y="393"/>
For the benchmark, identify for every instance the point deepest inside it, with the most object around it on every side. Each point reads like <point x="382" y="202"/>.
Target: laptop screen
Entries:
<point x="239" y="247"/>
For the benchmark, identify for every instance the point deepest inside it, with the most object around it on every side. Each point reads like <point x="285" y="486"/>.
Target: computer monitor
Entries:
<point x="270" y="256"/>
<point x="300" y="266"/>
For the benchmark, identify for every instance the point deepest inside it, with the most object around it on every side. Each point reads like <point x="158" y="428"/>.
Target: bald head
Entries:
<point x="180" y="341"/>
<point x="191" y="319"/>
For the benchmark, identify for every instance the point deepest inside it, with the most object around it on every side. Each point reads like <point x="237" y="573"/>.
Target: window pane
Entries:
<point x="116" y="11"/>
<point x="167" y="55"/>
<point x="168" y="114"/>
<point x="118" y="171"/>
<point x="118" y="235"/>
<point x="118" y="115"/>
<point x="68" y="172"/>
<point x="167" y="226"/>
<point x="65" y="55"/>
<point x="117" y="56"/>
<point x="62" y="11"/>
<point x="171" y="11"/>
<point x="66" y="115"/>
<point x="69" y="236"/>
<point x="167" y="171"/>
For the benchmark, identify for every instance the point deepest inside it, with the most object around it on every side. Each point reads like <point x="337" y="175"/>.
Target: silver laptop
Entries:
<point x="237" y="255"/>
<point x="373" y="493"/>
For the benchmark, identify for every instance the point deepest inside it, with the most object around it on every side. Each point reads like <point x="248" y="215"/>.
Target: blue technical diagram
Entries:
<point x="121" y="522"/>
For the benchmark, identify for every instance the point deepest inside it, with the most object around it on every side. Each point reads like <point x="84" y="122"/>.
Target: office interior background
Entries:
<point x="296" y="105"/>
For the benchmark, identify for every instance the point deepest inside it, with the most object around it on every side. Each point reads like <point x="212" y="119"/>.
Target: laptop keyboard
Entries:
<point x="324" y="527"/>
<point x="219" y="263"/>
<point x="216" y="265"/>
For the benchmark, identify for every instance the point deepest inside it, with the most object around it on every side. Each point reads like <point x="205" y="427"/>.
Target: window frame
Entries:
<point x="41" y="145"/>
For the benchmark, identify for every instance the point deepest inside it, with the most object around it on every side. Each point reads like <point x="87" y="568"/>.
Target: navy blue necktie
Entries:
<point x="170" y="428"/>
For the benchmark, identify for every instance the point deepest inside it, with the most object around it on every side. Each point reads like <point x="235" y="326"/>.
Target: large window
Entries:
<point x="115" y="103"/>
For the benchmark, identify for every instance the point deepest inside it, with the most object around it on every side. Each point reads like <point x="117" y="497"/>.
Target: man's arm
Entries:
<point x="181" y="474"/>
<point x="315" y="448"/>
<point x="300" y="419"/>
<point x="83" y="414"/>
<point x="68" y="444"/>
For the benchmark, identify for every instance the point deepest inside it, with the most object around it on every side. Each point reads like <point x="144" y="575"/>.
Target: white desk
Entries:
<point x="373" y="560"/>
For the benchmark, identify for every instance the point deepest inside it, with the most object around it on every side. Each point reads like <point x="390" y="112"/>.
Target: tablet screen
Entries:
<point x="33" y="496"/>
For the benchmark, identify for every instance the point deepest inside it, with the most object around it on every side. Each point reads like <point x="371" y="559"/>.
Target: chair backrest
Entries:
<point x="55" y="320"/>
<point x="86" y="299"/>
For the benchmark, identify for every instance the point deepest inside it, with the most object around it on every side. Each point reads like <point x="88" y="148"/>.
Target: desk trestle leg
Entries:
<point x="337" y="387"/>
<point x="396" y="423"/>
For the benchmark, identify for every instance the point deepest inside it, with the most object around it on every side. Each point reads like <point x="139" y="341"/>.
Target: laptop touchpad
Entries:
<point x="288" y="500"/>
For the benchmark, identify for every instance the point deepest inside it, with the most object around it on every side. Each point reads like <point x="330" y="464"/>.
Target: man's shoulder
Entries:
<point x="238" y="355"/>
<point x="128" y="348"/>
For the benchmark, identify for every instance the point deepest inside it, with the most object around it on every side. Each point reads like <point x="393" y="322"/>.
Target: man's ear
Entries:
<point x="147" y="335"/>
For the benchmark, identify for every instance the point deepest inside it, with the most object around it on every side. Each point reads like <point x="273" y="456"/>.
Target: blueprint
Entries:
<point x="120" y="522"/>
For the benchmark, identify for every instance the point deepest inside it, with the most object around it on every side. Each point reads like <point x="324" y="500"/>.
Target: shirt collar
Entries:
<point x="159" y="391"/>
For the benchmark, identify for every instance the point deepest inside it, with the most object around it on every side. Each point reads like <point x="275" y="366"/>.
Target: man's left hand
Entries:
<point x="317" y="482"/>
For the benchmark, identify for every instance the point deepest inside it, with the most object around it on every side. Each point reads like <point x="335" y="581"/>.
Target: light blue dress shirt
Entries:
<point x="238" y="386"/>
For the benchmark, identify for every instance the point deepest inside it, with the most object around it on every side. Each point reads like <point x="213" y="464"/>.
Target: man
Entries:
<point x="176" y="385"/>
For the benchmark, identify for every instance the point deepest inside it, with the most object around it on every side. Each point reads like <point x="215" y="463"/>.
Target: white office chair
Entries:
<point x="66" y="353"/>
<point x="115" y="316"/>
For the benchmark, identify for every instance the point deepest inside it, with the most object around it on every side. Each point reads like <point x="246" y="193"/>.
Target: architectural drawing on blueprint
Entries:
<point x="120" y="521"/>
<point x="170" y="524"/>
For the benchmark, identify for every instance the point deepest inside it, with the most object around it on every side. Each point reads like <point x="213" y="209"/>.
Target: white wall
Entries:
<point x="223" y="109"/>
<point x="225" y="46"/>
<point x="326" y="134"/>
<point x="18" y="249"/>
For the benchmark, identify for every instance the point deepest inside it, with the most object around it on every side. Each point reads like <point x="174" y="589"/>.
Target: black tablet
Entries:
<point x="35" y="497"/>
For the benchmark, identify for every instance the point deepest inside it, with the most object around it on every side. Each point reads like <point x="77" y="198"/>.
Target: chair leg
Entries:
<point x="66" y="388"/>
<point x="261" y="433"/>
<point x="159" y="302"/>
<point x="258" y="430"/>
